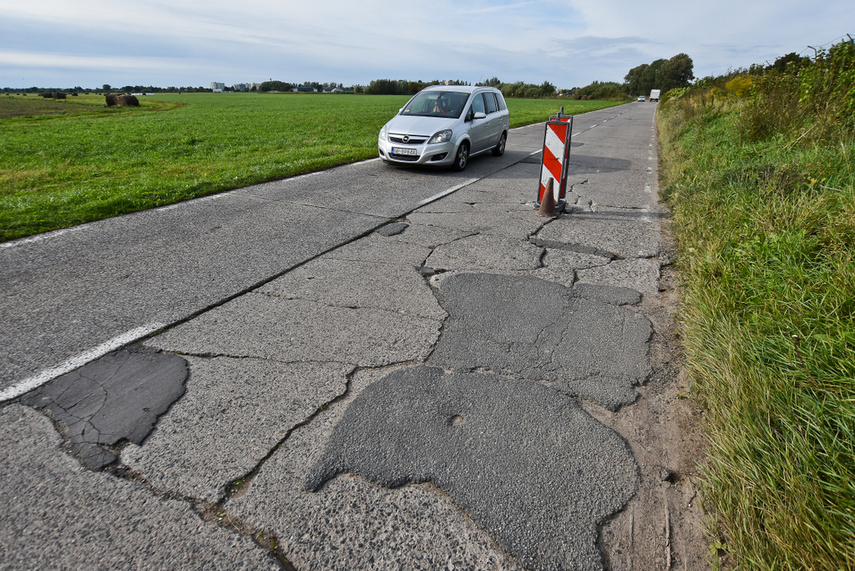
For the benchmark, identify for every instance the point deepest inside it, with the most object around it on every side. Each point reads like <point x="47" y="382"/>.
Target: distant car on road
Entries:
<point x="444" y="125"/>
<point x="641" y="98"/>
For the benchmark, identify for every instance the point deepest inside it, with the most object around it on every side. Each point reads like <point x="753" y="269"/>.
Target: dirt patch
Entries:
<point x="662" y="527"/>
<point x="33" y="106"/>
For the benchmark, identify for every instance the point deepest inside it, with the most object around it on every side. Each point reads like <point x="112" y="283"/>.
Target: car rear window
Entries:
<point x="501" y="99"/>
<point x="492" y="104"/>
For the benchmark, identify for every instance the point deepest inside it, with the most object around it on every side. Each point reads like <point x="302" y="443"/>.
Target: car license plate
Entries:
<point x="404" y="151"/>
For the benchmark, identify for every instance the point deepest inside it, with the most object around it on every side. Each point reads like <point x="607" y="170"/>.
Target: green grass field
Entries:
<point x="71" y="161"/>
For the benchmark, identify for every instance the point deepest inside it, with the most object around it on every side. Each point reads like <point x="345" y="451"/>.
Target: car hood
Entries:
<point x="415" y="125"/>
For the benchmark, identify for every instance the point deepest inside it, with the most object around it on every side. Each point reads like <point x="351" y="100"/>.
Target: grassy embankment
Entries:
<point x="760" y="175"/>
<point x="71" y="161"/>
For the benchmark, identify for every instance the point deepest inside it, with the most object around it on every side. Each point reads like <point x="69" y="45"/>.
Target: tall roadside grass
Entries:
<point x="760" y="175"/>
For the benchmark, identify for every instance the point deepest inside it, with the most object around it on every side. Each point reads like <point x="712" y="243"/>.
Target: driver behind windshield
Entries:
<point x="444" y="104"/>
<point x="439" y="106"/>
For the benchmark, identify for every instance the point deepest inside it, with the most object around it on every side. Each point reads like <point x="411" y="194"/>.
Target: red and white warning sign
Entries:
<point x="556" y="152"/>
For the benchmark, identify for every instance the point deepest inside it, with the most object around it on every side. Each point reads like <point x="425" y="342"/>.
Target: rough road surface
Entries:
<point x="435" y="381"/>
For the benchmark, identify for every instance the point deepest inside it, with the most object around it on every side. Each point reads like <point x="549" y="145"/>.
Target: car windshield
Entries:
<point x="437" y="104"/>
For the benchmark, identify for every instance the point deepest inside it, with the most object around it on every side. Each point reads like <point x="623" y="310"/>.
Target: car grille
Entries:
<point x="412" y="140"/>
<point x="398" y="157"/>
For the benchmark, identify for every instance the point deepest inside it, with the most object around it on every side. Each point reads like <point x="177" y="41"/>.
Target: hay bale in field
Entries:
<point x="59" y="95"/>
<point x="46" y="94"/>
<point x="121" y="100"/>
<point x="127" y="101"/>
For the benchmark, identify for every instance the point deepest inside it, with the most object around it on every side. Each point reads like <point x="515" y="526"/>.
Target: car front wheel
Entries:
<point x="462" y="157"/>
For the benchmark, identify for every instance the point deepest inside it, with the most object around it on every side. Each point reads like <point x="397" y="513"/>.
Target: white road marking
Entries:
<point x="447" y="191"/>
<point x="76" y="361"/>
<point x="38" y="237"/>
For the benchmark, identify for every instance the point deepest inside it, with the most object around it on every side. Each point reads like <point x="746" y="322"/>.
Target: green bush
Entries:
<point x="809" y="101"/>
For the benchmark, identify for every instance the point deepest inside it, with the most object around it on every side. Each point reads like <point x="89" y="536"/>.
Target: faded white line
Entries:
<point x="199" y="200"/>
<point x="38" y="237"/>
<point x="448" y="191"/>
<point x="374" y="160"/>
<point x="76" y="361"/>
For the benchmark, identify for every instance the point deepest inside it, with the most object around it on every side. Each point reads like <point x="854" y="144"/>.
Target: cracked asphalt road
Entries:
<point x="341" y="363"/>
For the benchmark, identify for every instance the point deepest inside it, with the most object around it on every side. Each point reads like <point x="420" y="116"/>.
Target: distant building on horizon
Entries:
<point x="217" y="86"/>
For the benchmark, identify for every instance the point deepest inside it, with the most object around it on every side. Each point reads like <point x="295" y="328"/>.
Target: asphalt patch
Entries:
<point x="527" y="463"/>
<point x="113" y="399"/>
<point x="583" y="341"/>
<point x="393" y="229"/>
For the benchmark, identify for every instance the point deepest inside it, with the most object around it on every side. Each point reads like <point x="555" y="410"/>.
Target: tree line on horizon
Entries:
<point x="660" y="74"/>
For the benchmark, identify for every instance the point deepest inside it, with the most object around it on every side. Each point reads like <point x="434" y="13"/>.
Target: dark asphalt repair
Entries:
<point x="523" y="459"/>
<point x="526" y="462"/>
<point x="580" y="340"/>
<point x="113" y="399"/>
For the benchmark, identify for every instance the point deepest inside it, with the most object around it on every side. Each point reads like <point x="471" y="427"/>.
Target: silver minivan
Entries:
<point x="444" y="125"/>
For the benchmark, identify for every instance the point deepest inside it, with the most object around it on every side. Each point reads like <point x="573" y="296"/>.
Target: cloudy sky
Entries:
<point x="87" y="43"/>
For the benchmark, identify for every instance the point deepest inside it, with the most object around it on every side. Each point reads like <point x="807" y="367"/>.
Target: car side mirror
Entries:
<point x="480" y="115"/>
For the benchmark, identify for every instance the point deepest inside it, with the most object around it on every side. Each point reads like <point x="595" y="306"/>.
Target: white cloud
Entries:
<point x="566" y="42"/>
<point x="94" y="62"/>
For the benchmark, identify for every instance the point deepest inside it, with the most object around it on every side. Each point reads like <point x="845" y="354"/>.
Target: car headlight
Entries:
<point x="441" y="137"/>
<point x="383" y="132"/>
